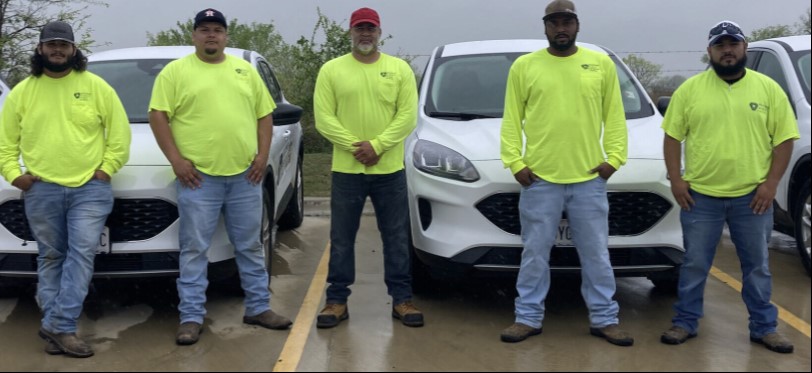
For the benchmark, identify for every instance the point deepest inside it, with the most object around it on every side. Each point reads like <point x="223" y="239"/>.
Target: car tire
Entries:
<point x="294" y="213"/>
<point x="801" y="217"/>
<point x="666" y="282"/>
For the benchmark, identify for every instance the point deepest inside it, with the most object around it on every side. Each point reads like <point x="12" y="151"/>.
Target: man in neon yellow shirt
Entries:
<point x="561" y="99"/>
<point x="73" y="134"/>
<point x="211" y="115"/>
<point x="738" y="129"/>
<point x="366" y="105"/>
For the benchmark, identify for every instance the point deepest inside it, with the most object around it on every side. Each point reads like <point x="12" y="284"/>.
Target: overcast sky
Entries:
<point x="664" y="29"/>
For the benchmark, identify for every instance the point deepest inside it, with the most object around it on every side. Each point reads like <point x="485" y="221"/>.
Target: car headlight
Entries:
<point x="438" y="160"/>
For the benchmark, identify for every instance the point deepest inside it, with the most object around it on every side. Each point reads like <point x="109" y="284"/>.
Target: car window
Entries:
<point x="270" y="81"/>
<point x="132" y="80"/>
<point x="475" y="84"/>
<point x="802" y="66"/>
<point x="770" y="65"/>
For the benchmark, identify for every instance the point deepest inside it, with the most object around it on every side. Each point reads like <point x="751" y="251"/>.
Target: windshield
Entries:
<point x="132" y="80"/>
<point x="802" y="66"/>
<point x="474" y="85"/>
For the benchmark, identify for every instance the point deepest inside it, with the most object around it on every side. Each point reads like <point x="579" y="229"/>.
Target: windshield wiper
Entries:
<point x="461" y="116"/>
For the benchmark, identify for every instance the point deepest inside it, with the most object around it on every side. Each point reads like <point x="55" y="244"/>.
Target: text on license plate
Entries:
<point x="104" y="242"/>
<point x="563" y="236"/>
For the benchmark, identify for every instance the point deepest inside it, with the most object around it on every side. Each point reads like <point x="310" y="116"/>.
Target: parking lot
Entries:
<point x="131" y="324"/>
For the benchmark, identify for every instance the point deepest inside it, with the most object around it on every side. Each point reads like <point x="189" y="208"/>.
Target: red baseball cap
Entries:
<point x="365" y="15"/>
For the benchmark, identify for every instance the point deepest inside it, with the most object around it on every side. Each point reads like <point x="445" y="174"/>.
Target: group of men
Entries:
<point x="72" y="133"/>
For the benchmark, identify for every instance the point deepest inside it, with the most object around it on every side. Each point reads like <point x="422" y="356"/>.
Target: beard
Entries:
<point x="365" y="48"/>
<point x="210" y="51"/>
<point x="561" y="47"/>
<point x="58" y="67"/>
<point x="732" y="70"/>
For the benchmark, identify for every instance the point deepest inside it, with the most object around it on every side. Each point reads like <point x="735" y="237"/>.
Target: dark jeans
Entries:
<point x="388" y="195"/>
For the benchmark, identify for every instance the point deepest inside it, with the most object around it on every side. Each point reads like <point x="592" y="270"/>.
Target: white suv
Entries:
<point x="143" y="227"/>
<point x="787" y="61"/>
<point x="464" y="203"/>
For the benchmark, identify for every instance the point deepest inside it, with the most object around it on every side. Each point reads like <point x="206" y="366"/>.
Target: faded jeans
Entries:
<point x="240" y="202"/>
<point x="540" y="207"/>
<point x="67" y="223"/>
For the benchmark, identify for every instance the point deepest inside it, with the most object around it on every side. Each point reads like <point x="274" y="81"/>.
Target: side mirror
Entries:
<point x="662" y="104"/>
<point x="286" y="114"/>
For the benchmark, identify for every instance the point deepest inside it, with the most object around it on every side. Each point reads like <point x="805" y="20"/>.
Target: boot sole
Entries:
<point x="326" y="322"/>
<point x="617" y="342"/>
<point x="512" y="339"/>
<point x="44" y="335"/>
<point x="411" y="323"/>
<point x="781" y="350"/>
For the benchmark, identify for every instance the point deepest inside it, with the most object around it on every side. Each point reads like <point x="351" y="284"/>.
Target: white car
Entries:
<point x="464" y="203"/>
<point x="787" y="61"/>
<point x="141" y="236"/>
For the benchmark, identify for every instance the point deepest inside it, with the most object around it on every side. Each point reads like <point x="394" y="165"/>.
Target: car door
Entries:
<point x="283" y="154"/>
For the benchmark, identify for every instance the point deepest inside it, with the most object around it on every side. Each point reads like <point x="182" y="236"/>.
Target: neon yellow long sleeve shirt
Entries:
<point x="562" y="106"/>
<point x="65" y="129"/>
<point x="356" y="102"/>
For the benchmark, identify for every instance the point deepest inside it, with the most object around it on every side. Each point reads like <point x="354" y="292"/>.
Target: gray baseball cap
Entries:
<point x="57" y="30"/>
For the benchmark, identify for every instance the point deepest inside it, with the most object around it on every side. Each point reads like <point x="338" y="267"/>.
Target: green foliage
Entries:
<point x="20" y="25"/>
<point x="646" y="71"/>
<point x="769" y="32"/>
<point x="804" y="26"/>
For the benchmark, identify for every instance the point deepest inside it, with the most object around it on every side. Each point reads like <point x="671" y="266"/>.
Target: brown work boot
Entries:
<point x="68" y="343"/>
<point x="188" y="333"/>
<point x="53" y="349"/>
<point x="775" y="342"/>
<point x="332" y="315"/>
<point x="676" y="335"/>
<point x="408" y="314"/>
<point x="518" y="332"/>
<point x="268" y="319"/>
<point x="613" y="334"/>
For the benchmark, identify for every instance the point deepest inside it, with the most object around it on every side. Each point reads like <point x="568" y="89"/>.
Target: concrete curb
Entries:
<point x="320" y="207"/>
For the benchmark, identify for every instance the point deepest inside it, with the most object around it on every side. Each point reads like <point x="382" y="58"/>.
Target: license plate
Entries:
<point x="104" y="242"/>
<point x="563" y="236"/>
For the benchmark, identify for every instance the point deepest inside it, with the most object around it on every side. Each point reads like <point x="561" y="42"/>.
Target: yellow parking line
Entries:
<point x="785" y="316"/>
<point x="295" y="344"/>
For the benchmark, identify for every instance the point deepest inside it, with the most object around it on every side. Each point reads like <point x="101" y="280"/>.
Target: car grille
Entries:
<point x="131" y="220"/>
<point x="630" y="213"/>
<point x="103" y="263"/>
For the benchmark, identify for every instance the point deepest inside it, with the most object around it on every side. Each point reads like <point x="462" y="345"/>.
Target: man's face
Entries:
<point x="728" y="56"/>
<point x="57" y="55"/>
<point x="561" y="31"/>
<point x="365" y="38"/>
<point x="210" y="37"/>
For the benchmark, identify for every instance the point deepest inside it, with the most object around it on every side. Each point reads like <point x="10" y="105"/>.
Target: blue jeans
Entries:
<point x="388" y="195"/>
<point x="540" y="207"/>
<point x="67" y="223"/>
<point x="240" y="202"/>
<point x="701" y="231"/>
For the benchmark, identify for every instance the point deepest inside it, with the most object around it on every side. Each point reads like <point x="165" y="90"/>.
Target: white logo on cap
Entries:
<point x="209" y="13"/>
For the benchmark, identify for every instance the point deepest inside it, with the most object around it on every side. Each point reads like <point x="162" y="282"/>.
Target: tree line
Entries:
<point x="656" y="85"/>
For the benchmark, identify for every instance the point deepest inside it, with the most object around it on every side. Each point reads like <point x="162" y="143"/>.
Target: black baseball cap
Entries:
<point x="210" y="15"/>
<point x="57" y="30"/>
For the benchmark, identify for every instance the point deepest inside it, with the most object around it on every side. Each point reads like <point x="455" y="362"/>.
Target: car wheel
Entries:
<point x="802" y="226"/>
<point x="294" y="212"/>
<point x="666" y="282"/>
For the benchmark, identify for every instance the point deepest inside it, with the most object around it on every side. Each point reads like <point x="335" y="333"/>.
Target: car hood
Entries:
<point x="479" y="139"/>
<point x="144" y="150"/>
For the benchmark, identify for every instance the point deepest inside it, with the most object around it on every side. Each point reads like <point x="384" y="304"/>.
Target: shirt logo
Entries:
<point x="755" y="106"/>
<point x="588" y="67"/>
<point x="81" y="96"/>
<point x="388" y="75"/>
<point x="241" y="72"/>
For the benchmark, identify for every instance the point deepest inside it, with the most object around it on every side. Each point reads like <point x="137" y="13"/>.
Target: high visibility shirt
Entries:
<point x="64" y="128"/>
<point x="374" y="102"/>
<point x="562" y="106"/>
